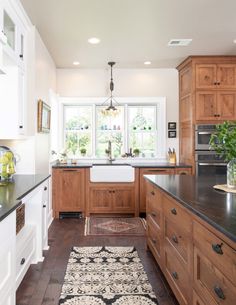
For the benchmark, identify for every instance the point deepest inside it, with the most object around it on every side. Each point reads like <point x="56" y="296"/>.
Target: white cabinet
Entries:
<point x="7" y="259"/>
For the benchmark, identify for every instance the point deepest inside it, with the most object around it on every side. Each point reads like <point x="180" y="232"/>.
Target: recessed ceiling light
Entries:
<point x="179" y="42"/>
<point x="76" y="63"/>
<point x="147" y="62"/>
<point x="94" y="40"/>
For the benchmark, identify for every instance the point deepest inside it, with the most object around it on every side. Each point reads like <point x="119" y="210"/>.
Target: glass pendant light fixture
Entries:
<point x="111" y="108"/>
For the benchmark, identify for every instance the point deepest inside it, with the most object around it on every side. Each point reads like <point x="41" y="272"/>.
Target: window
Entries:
<point x="88" y="128"/>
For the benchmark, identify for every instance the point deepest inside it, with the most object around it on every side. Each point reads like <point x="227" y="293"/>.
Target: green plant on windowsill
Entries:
<point x="223" y="141"/>
<point x="136" y="152"/>
<point x="83" y="151"/>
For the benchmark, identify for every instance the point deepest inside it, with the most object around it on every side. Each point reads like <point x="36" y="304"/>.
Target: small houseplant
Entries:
<point x="223" y="141"/>
<point x="83" y="151"/>
<point x="136" y="152"/>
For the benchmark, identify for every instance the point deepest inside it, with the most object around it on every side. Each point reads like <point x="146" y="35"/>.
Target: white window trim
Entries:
<point x="160" y="103"/>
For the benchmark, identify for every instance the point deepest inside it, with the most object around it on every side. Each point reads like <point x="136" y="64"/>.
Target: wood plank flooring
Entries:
<point x="42" y="283"/>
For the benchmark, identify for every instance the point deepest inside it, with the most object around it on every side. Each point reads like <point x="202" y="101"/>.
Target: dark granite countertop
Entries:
<point x="198" y="195"/>
<point x="132" y="163"/>
<point x="14" y="191"/>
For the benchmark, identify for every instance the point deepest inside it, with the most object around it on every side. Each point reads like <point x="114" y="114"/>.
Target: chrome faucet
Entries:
<point x="109" y="152"/>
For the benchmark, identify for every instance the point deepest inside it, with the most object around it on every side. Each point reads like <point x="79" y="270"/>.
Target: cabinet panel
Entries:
<point x="154" y="239"/>
<point x="185" y="79"/>
<point x="197" y="300"/>
<point x="68" y="190"/>
<point x="205" y="76"/>
<point x="123" y="199"/>
<point x="154" y="209"/>
<point x="206" y="106"/>
<point x="226" y="105"/>
<point x="185" y="109"/>
<point x="100" y="200"/>
<point x="226" y="76"/>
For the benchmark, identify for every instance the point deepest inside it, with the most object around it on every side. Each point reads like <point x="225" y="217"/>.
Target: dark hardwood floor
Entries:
<point x="42" y="283"/>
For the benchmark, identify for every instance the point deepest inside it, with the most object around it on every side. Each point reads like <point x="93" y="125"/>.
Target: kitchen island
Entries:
<point x="191" y="231"/>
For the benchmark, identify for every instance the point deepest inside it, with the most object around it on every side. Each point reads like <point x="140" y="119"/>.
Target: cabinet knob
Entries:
<point x="154" y="241"/>
<point x="217" y="248"/>
<point x="218" y="83"/>
<point x="175" y="239"/>
<point x="219" y="292"/>
<point x="175" y="275"/>
<point x="20" y="126"/>
<point x="44" y="206"/>
<point x="21" y="55"/>
<point x="45" y="188"/>
<point x="173" y="211"/>
<point x="153" y="193"/>
<point x="22" y="261"/>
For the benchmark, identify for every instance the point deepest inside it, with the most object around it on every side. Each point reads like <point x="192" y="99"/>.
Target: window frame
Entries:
<point x="158" y="102"/>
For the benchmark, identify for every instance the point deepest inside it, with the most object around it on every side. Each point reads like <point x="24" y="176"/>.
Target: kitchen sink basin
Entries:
<point x="112" y="173"/>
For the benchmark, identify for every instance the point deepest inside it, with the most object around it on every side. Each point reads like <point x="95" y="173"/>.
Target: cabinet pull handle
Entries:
<point x="175" y="239"/>
<point x="217" y="248"/>
<point x="20" y="126"/>
<point x="218" y="83"/>
<point x="219" y="292"/>
<point x="173" y="211"/>
<point x="44" y="206"/>
<point x="45" y="188"/>
<point x="69" y="170"/>
<point x="157" y="170"/>
<point x="175" y="275"/>
<point x="21" y="55"/>
<point x="153" y="193"/>
<point x="22" y="261"/>
<point x="153" y="214"/>
<point x="215" y="83"/>
<point x="154" y="241"/>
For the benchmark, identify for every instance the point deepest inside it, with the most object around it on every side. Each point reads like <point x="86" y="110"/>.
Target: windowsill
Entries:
<point x="133" y="160"/>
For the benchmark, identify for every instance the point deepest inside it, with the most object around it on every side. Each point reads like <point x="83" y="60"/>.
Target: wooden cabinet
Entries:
<point x="68" y="190"/>
<point x="155" y="171"/>
<point x="198" y="262"/>
<point x="111" y="198"/>
<point x="207" y="95"/>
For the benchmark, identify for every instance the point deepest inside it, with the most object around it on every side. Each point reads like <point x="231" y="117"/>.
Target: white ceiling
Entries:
<point x="132" y="31"/>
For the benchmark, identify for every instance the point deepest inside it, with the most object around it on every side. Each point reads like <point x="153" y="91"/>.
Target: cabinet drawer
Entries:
<point x="210" y="282"/>
<point x="217" y="251"/>
<point x="154" y="204"/>
<point x="154" y="237"/>
<point x="178" y="237"/>
<point x="176" y="273"/>
<point x="176" y="214"/>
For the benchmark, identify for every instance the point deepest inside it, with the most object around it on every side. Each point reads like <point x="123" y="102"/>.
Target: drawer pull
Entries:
<point x="45" y="188"/>
<point x="153" y="193"/>
<point x="173" y="211"/>
<point x="175" y="275"/>
<point x="217" y="248"/>
<point x="44" y="206"/>
<point x="175" y="239"/>
<point x="22" y="261"/>
<point x="153" y="214"/>
<point x="219" y="292"/>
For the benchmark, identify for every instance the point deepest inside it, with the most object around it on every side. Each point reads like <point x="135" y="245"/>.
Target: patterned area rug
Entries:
<point x="115" y="226"/>
<point x="106" y="276"/>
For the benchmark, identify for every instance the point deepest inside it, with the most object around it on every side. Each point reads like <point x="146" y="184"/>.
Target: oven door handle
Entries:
<point x="204" y="132"/>
<point x="215" y="164"/>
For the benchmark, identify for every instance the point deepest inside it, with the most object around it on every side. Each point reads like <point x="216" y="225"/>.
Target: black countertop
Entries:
<point x="14" y="191"/>
<point x="198" y="195"/>
<point x="126" y="162"/>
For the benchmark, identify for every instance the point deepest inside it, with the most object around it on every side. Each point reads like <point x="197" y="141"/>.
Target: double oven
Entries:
<point x="208" y="162"/>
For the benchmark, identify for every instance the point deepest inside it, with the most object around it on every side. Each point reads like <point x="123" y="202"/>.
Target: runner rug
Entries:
<point x="115" y="226"/>
<point x="106" y="276"/>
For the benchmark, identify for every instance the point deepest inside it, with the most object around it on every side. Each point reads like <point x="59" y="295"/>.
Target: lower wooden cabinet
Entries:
<point x="68" y="190"/>
<point x="198" y="262"/>
<point x="111" y="198"/>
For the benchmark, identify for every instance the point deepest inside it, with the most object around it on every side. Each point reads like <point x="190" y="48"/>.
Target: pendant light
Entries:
<point x="111" y="109"/>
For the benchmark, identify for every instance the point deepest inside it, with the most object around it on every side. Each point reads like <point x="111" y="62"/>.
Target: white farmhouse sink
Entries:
<point x="112" y="173"/>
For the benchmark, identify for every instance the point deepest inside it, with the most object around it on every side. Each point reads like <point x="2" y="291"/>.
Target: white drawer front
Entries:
<point x="6" y="267"/>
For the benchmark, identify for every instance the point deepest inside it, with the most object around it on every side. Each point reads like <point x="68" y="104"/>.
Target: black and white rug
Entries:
<point x="106" y="275"/>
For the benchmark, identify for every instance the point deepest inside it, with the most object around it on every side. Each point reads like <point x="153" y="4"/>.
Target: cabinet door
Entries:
<point x="100" y="199"/>
<point x="226" y="102"/>
<point x="149" y="171"/>
<point x="206" y="106"/>
<point x="68" y="190"/>
<point x="206" y="76"/>
<point x="123" y="199"/>
<point x="226" y="76"/>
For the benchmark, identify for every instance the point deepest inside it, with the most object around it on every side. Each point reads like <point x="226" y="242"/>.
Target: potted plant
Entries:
<point x="136" y="152"/>
<point x="223" y="141"/>
<point x="83" y="151"/>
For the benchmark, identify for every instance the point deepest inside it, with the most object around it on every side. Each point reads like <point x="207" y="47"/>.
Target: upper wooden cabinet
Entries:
<point x="215" y="76"/>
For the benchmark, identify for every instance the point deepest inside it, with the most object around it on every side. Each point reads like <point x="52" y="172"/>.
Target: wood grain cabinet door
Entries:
<point x="226" y="76"/>
<point x="206" y="76"/>
<point x="68" y="190"/>
<point x="100" y="199"/>
<point x="206" y="106"/>
<point x="226" y="102"/>
<point x="123" y="199"/>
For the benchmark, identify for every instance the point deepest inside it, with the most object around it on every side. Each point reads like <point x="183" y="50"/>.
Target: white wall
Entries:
<point x="45" y="81"/>
<point x="128" y="83"/>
